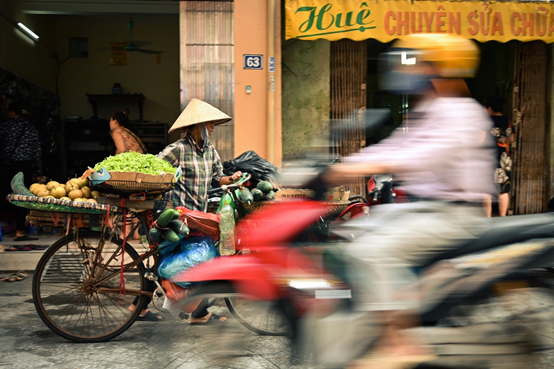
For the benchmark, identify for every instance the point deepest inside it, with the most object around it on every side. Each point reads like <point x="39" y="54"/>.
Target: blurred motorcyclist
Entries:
<point x="444" y="159"/>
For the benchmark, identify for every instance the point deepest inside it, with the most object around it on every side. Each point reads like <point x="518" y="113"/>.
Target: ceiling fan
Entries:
<point x="131" y="46"/>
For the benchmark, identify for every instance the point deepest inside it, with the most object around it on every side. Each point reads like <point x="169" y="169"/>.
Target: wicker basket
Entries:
<point x="134" y="182"/>
<point x="62" y="206"/>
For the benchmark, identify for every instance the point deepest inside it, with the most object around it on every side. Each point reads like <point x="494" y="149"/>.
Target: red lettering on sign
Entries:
<point x="390" y="31"/>
<point x="515" y="30"/>
<point x="403" y="23"/>
<point x="485" y="23"/>
<point x="527" y="24"/>
<point x="440" y="22"/>
<point x="497" y="24"/>
<point x="551" y="26"/>
<point x="455" y="23"/>
<point x="475" y="26"/>
<point x="414" y="23"/>
<point x="541" y="21"/>
<point x="429" y="20"/>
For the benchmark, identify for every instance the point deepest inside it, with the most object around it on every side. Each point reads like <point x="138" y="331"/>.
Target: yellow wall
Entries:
<point x="157" y="79"/>
<point x="250" y="118"/>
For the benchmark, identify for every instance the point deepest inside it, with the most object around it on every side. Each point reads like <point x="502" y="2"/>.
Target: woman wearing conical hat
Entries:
<point x="201" y="165"/>
<point x="196" y="156"/>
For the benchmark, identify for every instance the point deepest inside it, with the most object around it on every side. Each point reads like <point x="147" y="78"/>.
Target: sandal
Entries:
<point x="212" y="320"/>
<point x="151" y="317"/>
<point x="11" y="278"/>
<point x="21" y="275"/>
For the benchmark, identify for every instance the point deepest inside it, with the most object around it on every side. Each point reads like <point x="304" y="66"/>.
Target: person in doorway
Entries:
<point x="124" y="139"/>
<point x="201" y="165"/>
<point x="503" y="135"/>
<point x="444" y="160"/>
<point x="21" y="152"/>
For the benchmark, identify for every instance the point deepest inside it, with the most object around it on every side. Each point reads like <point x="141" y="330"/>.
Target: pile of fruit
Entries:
<point x="168" y="227"/>
<point x="75" y="189"/>
<point x="262" y="192"/>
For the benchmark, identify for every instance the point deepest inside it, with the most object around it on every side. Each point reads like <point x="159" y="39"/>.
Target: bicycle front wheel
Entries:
<point x="77" y="287"/>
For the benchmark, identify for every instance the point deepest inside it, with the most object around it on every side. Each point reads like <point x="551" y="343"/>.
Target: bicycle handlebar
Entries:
<point x="245" y="178"/>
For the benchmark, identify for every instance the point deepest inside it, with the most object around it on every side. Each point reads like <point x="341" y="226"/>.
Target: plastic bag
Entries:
<point x="188" y="253"/>
<point x="252" y="163"/>
<point x="197" y="220"/>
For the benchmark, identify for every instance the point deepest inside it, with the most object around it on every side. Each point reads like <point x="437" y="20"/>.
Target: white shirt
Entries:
<point x="443" y="154"/>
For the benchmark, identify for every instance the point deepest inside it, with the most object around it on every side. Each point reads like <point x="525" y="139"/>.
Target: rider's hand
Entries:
<point x="236" y="176"/>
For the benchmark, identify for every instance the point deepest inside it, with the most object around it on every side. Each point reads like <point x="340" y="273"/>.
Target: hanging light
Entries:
<point x="27" y="31"/>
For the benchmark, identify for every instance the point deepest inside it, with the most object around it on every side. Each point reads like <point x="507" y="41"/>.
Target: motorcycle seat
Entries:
<point x="504" y="231"/>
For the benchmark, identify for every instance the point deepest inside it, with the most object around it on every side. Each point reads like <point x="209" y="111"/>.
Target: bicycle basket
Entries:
<point x="134" y="182"/>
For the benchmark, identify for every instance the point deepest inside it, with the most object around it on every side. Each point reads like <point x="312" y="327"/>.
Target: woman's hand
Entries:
<point x="231" y="179"/>
<point x="236" y="176"/>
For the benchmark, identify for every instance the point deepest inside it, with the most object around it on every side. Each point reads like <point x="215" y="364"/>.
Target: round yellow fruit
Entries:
<point x="51" y="185"/>
<point x="92" y="201"/>
<point x="87" y="193"/>
<point x="38" y="188"/>
<point x="95" y="194"/>
<point x="70" y="186"/>
<point x="65" y="198"/>
<point x="58" y="191"/>
<point x="43" y="193"/>
<point x="75" y="194"/>
<point x="82" y="182"/>
<point x="77" y="182"/>
<point x="33" y="186"/>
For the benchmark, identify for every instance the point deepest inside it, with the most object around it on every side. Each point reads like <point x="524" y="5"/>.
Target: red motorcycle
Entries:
<point x="288" y="280"/>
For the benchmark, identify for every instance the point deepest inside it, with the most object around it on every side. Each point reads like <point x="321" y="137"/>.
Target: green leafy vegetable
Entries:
<point x="134" y="162"/>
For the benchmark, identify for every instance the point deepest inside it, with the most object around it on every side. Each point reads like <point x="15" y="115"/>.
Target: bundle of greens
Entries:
<point x="135" y="162"/>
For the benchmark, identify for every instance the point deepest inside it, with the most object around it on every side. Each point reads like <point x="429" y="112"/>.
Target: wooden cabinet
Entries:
<point x="88" y="143"/>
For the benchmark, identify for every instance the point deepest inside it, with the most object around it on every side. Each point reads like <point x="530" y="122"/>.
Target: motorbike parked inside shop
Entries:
<point x="480" y="307"/>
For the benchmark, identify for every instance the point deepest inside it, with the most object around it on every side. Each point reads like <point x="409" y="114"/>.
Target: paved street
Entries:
<point x="25" y="342"/>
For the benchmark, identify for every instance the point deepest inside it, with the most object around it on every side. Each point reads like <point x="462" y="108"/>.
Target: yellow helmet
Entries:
<point x="405" y="66"/>
<point x="452" y="56"/>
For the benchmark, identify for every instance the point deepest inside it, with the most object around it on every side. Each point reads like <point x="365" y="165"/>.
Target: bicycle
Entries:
<point x="85" y="282"/>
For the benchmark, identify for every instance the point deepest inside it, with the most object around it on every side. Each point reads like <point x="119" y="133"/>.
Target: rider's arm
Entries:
<point x="351" y="171"/>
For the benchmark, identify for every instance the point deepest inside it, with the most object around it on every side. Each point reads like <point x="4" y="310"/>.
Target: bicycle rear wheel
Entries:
<point x="76" y="288"/>
<point x="261" y="317"/>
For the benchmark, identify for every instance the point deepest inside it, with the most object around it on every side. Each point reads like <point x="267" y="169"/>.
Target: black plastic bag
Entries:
<point x="252" y="163"/>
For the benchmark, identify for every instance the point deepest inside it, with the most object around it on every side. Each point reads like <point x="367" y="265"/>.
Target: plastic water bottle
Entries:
<point x="227" y="230"/>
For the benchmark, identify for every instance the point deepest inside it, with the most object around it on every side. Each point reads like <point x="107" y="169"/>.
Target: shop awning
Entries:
<point x="385" y="20"/>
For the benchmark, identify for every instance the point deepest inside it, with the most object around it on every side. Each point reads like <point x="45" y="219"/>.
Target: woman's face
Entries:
<point x="113" y="123"/>
<point x="210" y="127"/>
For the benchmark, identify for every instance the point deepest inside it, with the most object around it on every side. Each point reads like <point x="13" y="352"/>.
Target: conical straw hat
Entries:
<point x="198" y="111"/>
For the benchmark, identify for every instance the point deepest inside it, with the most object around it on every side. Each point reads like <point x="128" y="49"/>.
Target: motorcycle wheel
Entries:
<point x="261" y="317"/>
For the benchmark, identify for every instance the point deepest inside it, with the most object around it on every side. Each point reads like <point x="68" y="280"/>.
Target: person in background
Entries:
<point x="503" y="135"/>
<point x="123" y="138"/>
<point x="21" y="152"/>
<point x="445" y="161"/>
<point x="201" y="165"/>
